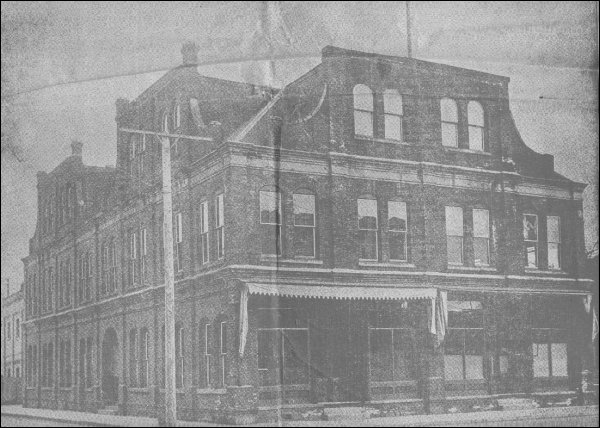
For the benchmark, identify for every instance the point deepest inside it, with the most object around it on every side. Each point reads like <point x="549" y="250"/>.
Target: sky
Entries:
<point x="64" y="64"/>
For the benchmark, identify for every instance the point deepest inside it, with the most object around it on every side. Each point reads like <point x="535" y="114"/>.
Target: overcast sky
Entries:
<point x="65" y="64"/>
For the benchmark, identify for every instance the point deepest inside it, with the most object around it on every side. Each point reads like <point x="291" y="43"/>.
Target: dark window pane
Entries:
<point x="397" y="246"/>
<point x="304" y="241"/>
<point x="481" y="250"/>
<point x="295" y="357"/>
<point x="368" y="244"/>
<point x="404" y="357"/>
<point x="381" y="355"/>
<point x="271" y="239"/>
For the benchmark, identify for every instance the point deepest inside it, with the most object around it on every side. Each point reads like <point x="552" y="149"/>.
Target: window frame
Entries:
<point x="398" y="231"/>
<point x="474" y="126"/>
<point x="357" y="109"/>
<point x="557" y="243"/>
<point x="278" y="221"/>
<point x="305" y="226"/>
<point x="446" y="123"/>
<point x="178" y="241"/>
<point x="373" y="230"/>
<point x="220" y="224"/>
<point x="535" y="243"/>
<point x="204" y="237"/>
<point x="486" y="238"/>
<point x="387" y="113"/>
<point x="461" y="236"/>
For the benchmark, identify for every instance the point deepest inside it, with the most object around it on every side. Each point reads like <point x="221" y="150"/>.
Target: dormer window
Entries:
<point x="476" y="126"/>
<point x="449" y="112"/>
<point x="392" y="106"/>
<point x="363" y="111"/>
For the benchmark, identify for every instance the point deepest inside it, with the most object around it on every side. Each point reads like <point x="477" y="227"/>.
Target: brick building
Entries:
<point x="376" y="232"/>
<point x="12" y="320"/>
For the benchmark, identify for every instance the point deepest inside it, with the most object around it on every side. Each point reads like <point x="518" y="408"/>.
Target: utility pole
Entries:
<point x="170" y="386"/>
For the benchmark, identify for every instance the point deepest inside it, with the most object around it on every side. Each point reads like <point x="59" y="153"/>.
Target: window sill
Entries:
<point x="138" y="389"/>
<point x="208" y="391"/>
<point x="545" y="271"/>
<point x="298" y="260"/>
<point x="381" y="140"/>
<point x="372" y="263"/>
<point x="460" y="150"/>
<point x="486" y="268"/>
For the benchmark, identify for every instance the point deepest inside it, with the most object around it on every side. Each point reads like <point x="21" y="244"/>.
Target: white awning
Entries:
<point x="341" y="292"/>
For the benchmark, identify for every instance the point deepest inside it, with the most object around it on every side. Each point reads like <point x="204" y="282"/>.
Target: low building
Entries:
<point x="13" y="311"/>
<point x="375" y="233"/>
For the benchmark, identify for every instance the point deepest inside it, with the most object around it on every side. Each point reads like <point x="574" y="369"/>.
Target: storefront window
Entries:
<point x="283" y="354"/>
<point x="463" y="359"/>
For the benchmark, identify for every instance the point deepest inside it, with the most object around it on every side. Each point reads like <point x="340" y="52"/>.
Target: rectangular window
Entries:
<point x="178" y="242"/>
<point x="454" y="235"/>
<point x="397" y="230"/>
<point x="203" y="247"/>
<point x="88" y="365"/>
<point x="207" y="355"/>
<point x="223" y="346"/>
<point x="304" y="225"/>
<point x="553" y="229"/>
<point x="220" y="226"/>
<point x="368" y="229"/>
<point x="530" y="236"/>
<point x="270" y="221"/>
<point x="392" y="353"/>
<point x="133" y="253"/>
<point x="449" y="134"/>
<point x="549" y="352"/>
<point x="363" y="123"/>
<point x="144" y="355"/>
<point x="133" y="358"/>
<point x="143" y="254"/>
<point x="464" y="342"/>
<point x="481" y="237"/>
<point x="179" y="357"/>
<point x="88" y="282"/>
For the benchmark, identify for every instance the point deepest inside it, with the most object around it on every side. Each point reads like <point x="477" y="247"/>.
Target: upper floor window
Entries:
<point x="368" y="228"/>
<point x="179" y="356"/>
<point x="449" y="122"/>
<point x="270" y="220"/>
<point x="203" y="241"/>
<point x="481" y="236"/>
<point x="393" y="112"/>
<point x="304" y="224"/>
<point x="220" y="225"/>
<point x="363" y="111"/>
<point x="177" y="116"/>
<point x="553" y="229"/>
<point x="178" y="242"/>
<point x="143" y="254"/>
<point x="530" y="236"/>
<point x="476" y="126"/>
<point x="397" y="229"/>
<point x="454" y="235"/>
<point x="165" y="123"/>
<point x="133" y="255"/>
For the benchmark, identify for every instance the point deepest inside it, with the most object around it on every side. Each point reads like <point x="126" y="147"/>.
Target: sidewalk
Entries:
<point x="558" y="416"/>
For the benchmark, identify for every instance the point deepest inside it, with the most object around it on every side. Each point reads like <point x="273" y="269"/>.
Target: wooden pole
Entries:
<point x="170" y="387"/>
<point x="408" y="31"/>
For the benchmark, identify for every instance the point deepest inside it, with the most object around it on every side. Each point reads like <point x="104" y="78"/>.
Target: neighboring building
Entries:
<point x="13" y="311"/>
<point x="375" y="232"/>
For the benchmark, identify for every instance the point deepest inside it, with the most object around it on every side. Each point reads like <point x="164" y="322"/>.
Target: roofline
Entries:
<point x="334" y="51"/>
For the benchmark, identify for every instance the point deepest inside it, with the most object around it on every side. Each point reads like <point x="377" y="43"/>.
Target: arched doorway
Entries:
<point x="110" y="370"/>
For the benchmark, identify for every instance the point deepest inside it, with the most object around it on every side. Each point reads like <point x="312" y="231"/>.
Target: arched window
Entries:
<point x="449" y="122"/>
<point x="270" y="221"/>
<point x="392" y="106"/>
<point x="476" y="126"/>
<point x="368" y="227"/>
<point x="304" y="223"/>
<point x="363" y="111"/>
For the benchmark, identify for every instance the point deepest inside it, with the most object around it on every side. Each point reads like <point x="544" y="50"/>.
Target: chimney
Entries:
<point x="189" y="52"/>
<point x="76" y="148"/>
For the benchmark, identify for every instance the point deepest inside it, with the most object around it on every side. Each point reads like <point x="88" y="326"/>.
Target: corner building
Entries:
<point x="375" y="233"/>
